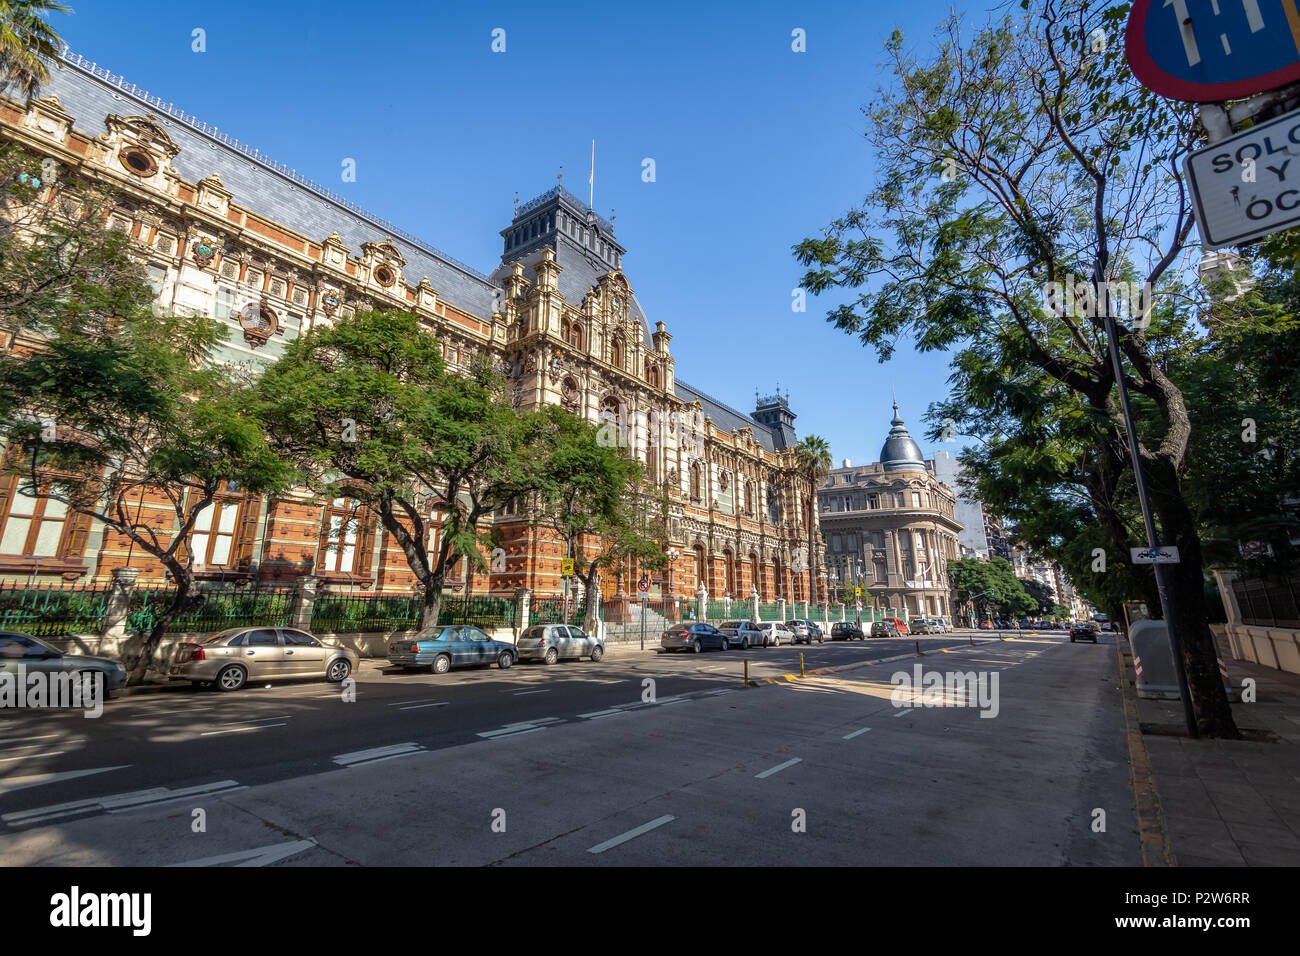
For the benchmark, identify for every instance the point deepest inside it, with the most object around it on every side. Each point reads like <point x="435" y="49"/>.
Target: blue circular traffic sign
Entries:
<point x="1213" y="50"/>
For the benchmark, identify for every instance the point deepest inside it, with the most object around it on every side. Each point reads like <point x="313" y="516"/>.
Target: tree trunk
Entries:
<point x="591" y="582"/>
<point x="182" y="602"/>
<point x="432" y="600"/>
<point x="1186" y="584"/>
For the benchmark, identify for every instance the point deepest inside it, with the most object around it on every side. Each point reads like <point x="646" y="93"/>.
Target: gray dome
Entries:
<point x="900" y="450"/>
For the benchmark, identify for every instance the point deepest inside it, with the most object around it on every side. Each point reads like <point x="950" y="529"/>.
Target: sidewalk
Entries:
<point x="1229" y="802"/>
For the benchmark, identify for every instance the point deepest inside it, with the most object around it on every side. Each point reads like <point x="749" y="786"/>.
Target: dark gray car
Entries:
<point x="17" y="648"/>
<point x="693" y="637"/>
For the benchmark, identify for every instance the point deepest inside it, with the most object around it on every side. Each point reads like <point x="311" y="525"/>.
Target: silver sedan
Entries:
<point x="556" y="642"/>
<point x="774" y="632"/>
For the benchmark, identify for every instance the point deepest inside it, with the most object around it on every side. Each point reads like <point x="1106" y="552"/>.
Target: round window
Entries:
<point x="384" y="276"/>
<point x="139" y="162"/>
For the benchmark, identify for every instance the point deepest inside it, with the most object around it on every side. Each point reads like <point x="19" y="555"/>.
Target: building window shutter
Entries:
<point x="367" y="551"/>
<point x="247" y="535"/>
<point x="78" y="534"/>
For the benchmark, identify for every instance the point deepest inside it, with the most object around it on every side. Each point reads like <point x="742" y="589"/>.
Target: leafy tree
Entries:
<point x="367" y="404"/>
<point x="1021" y="160"/>
<point x="594" y="498"/>
<point x="813" y="458"/>
<point x="1039" y="593"/>
<point x="26" y="42"/>
<point x="59" y="266"/>
<point x="101" y="418"/>
<point x="989" y="584"/>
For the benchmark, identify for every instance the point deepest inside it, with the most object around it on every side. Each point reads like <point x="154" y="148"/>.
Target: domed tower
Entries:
<point x="900" y="451"/>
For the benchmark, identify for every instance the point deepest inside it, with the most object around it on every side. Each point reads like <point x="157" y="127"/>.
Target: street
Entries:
<point x="572" y="764"/>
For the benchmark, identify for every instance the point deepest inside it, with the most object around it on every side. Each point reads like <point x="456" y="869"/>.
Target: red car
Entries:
<point x="986" y="625"/>
<point x="899" y="623"/>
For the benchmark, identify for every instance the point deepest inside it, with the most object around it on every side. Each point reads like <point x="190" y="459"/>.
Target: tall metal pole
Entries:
<point x="1139" y="476"/>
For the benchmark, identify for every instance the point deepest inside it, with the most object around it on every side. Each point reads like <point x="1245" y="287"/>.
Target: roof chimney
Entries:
<point x="847" y="463"/>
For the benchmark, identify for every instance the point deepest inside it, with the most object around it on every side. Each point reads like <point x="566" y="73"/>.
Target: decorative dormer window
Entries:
<point x="385" y="276"/>
<point x="259" y="323"/>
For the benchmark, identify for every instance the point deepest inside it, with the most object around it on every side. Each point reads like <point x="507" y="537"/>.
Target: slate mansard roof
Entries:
<point x="90" y="93"/>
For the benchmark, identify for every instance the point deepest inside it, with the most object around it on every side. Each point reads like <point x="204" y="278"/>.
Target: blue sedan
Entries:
<point x="442" y="648"/>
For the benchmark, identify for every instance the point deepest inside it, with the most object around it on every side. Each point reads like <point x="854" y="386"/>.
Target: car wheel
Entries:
<point x="441" y="664"/>
<point x="697" y="646"/>
<point x="597" y="653"/>
<point x="552" y="655"/>
<point x="726" y="645"/>
<point x="506" y="659"/>
<point x="339" y="671"/>
<point x="744" y="643"/>
<point x="776" y="641"/>
<point x="231" y="678"/>
<point x="87" y="681"/>
<point x="1071" y="640"/>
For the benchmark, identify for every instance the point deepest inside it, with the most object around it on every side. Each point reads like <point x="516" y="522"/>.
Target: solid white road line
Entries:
<point x="522" y="725"/>
<point x="436" y="703"/>
<point x="261" y="856"/>
<point x="521" y="693"/>
<point x="417" y="700"/>
<point x="631" y="834"/>
<point x="516" y="733"/>
<point x="39" y="779"/>
<point x="778" y="768"/>
<point x="24" y="740"/>
<point x="595" y="715"/>
<point x="855" y="733"/>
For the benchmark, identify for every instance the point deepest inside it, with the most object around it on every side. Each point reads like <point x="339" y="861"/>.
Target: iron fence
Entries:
<point x="1269" y="602"/>
<point x="769" y="612"/>
<point x="550" y="610"/>
<point x="52" y="611"/>
<point x="352" y="613"/>
<point x="252" y="607"/>
<point x="481" y="611"/>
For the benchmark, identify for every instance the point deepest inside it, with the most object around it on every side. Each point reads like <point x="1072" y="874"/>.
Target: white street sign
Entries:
<point x="1166" y="555"/>
<point x="1247" y="186"/>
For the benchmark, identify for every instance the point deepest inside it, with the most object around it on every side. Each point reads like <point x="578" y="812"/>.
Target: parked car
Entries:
<point x="231" y="658"/>
<point x="846" y="631"/>
<point x="696" y="636"/>
<point x="37" y="656"/>
<point x="805" y="632"/>
<point x="1083" y="632"/>
<point x="774" y="632"/>
<point x="1108" y="626"/>
<point x="939" y="624"/>
<point x="458" y="645"/>
<point x="742" y="634"/>
<point x="921" y="626"/>
<point x="556" y="642"/>
<point x="986" y="625"/>
<point x="899" y="623"/>
<point x="884" y="629"/>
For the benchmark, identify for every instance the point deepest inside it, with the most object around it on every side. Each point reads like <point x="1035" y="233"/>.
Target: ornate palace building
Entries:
<point x="226" y="231"/>
<point x="892" y="527"/>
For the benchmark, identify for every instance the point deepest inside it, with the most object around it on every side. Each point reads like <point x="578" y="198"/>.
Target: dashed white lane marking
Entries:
<point x="855" y="733"/>
<point x="521" y="693"/>
<point x="241" y="730"/>
<point x="261" y="856"/>
<point x="24" y="740"/>
<point x="778" y="768"/>
<point x="632" y="834"/>
<point x="436" y="703"/>
<point x="903" y="712"/>
<point x="50" y="753"/>
<point x="376" y="754"/>
<point x="118" y="803"/>
<point x="417" y="700"/>
<point x="39" y="779"/>
<point x="596" y="715"/>
<point x="521" y="727"/>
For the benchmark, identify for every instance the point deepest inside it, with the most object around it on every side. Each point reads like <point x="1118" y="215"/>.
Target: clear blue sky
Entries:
<point x="755" y="147"/>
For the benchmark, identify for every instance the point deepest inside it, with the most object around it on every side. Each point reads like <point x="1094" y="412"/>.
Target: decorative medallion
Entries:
<point x="203" y="252"/>
<point x="569" y="393"/>
<point x="329" y="301"/>
<point x="27" y="179"/>
<point x="259" y="323"/>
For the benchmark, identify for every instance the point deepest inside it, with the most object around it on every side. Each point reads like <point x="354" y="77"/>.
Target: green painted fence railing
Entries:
<point x="52" y="611"/>
<point x="354" y="613"/>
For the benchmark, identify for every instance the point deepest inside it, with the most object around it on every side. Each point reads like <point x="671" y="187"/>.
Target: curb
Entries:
<point x="1146" y="799"/>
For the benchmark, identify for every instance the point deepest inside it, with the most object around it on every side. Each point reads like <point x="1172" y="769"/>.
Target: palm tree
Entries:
<point x="26" y="42"/>
<point x="813" y="455"/>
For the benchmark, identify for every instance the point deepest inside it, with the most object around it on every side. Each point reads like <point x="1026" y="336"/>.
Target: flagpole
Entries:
<point x="591" y="180"/>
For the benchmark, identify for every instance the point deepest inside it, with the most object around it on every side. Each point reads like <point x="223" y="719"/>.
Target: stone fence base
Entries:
<point x="1277" y="647"/>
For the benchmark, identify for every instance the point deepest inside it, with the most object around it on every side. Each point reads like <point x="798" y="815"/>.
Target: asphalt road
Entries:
<point x="578" y="769"/>
<point x="186" y="737"/>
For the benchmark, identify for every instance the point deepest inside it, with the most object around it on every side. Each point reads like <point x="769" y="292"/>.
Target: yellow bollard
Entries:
<point x="746" y="671"/>
<point x="801" y="673"/>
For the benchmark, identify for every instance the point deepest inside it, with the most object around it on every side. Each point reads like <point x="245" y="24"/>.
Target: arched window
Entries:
<point x="695" y="482"/>
<point x="652" y="375"/>
<point x="616" y="352"/>
<point x="729" y="569"/>
<point x="701" y="568"/>
<point x="573" y="334"/>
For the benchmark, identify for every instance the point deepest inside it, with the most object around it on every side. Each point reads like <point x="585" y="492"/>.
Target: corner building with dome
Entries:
<point x="891" y="528"/>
